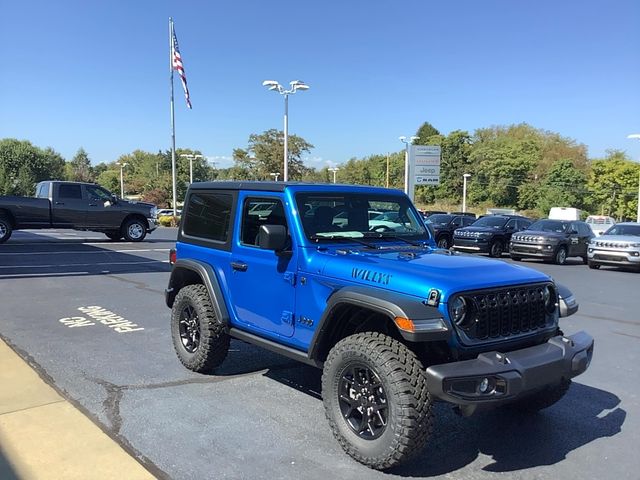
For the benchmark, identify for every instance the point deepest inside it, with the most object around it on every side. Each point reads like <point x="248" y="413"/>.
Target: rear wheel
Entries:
<point x="114" y="235"/>
<point x="134" y="230"/>
<point x="560" y="256"/>
<point x="5" y="229"/>
<point x="594" y="266"/>
<point x="374" y="391"/>
<point x="496" y="249"/>
<point x="198" y="338"/>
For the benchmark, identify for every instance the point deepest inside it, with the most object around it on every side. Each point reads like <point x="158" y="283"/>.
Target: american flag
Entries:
<point x="177" y="65"/>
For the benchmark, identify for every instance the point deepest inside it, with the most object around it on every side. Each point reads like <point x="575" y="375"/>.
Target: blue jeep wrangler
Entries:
<point x="349" y="279"/>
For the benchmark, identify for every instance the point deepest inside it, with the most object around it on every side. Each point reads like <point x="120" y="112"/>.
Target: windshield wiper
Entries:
<point x="340" y="237"/>
<point x="394" y="237"/>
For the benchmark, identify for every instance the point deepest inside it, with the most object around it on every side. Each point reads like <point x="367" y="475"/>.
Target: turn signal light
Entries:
<point x="405" y="324"/>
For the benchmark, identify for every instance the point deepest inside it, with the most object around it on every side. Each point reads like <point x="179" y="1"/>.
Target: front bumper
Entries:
<point x="152" y="223"/>
<point x="627" y="257"/>
<point x="479" y="245"/>
<point x="510" y="375"/>
<point x="535" y="250"/>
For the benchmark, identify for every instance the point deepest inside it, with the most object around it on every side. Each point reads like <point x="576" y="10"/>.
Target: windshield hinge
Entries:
<point x="290" y="277"/>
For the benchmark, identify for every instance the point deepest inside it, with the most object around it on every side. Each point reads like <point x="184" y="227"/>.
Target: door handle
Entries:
<point x="59" y="203"/>
<point x="93" y="204"/>
<point x="239" y="266"/>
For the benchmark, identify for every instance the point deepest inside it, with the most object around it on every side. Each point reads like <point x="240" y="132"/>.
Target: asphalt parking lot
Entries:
<point x="261" y="415"/>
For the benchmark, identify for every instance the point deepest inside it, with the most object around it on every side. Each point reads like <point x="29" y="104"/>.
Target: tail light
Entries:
<point x="172" y="256"/>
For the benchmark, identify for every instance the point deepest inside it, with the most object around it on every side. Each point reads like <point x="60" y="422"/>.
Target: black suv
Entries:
<point x="552" y="240"/>
<point x="490" y="234"/>
<point x="444" y="225"/>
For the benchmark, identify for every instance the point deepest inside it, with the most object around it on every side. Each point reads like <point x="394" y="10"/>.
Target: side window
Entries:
<point x="511" y="225"/>
<point x="573" y="227"/>
<point x="456" y="222"/>
<point x="70" y="191"/>
<point x="467" y="221"/>
<point x="524" y="224"/>
<point x="208" y="216"/>
<point x="257" y="212"/>
<point x="97" y="193"/>
<point x="584" y="229"/>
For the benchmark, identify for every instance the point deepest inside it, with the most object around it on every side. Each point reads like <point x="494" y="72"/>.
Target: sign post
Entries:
<point x="424" y="164"/>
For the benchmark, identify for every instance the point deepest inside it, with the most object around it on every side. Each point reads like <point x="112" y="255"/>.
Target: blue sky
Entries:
<point x="95" y="73"/>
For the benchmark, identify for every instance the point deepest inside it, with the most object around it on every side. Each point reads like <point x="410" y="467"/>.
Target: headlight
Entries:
<point x="549" y="297"/>
<point x="635" y="245"/>
<point x="459" y="310"/>
<point x="154" y="212"/>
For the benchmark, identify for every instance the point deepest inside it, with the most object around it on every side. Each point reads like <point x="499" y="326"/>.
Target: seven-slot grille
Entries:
<point x="504" y="312"/>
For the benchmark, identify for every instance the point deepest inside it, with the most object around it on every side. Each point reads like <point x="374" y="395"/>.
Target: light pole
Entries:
<point x="637" y="136"/>
<point x="403" y="139"/>
<point x="334" y="170"/>
<point x="295" y="86"/>
<point x="122" y="165"/>
<point x="190" y="157"/>
<point x="464" y="191"/>
<point x="275" y="175"/>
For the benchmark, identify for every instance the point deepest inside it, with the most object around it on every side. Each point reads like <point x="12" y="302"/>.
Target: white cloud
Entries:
<point x="221" y="161"/>
<point x="319" y="162"/>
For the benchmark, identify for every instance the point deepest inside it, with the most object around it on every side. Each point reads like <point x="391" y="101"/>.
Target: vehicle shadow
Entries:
<point x="59" y="259"/>
<point x="6" y="469"/>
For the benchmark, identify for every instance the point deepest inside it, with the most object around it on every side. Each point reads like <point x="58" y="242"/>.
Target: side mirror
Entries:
<point x="567" y="301"/>
<point x="114" y="199"/>
<point x="510" y="228"/>
<point x="273" y="237"/>
<point x="573" y="232"/>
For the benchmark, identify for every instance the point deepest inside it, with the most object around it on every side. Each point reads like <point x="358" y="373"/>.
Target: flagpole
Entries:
<point x="173" y="123"/>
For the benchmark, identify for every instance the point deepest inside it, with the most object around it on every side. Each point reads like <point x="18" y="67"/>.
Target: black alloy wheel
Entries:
<point x="496" y="249"/>
<point x="189" y="329"/>
<point x="560" y="256"/>
<point x="443" y="242"/>
<point x="363" y="401"/>
<point x="5" y="230"/>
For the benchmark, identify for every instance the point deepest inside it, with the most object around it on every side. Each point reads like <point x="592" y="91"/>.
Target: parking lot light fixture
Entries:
<point x="121" y="165"/>
<point x="464" y="191"/>
<point x="191" y="157"/>
<point x="275" y="176"/>
<point x="295" y="86"/>
<point x="334" y="170"/>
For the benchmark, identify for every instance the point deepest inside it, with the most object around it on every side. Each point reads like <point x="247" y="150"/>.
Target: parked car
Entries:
<point x="444" y="226"/>
<point x="552" y="240"/>
<point x="428" y="213"/>
<point x="490" y="234"/>
<point x="77" y="206"/>
<point x="618" y="246"/>
<point x="600" y="223"/>
<point x="168" y="212"/>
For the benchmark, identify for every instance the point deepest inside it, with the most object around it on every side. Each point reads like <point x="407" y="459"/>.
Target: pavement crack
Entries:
<point x="111" y="404"/>
<point x="138" y="285"/>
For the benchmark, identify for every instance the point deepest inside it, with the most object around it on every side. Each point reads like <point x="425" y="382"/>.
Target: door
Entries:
<point x="101" y="212"/>
<point x="262" y="282"/>
<point x="68" y="209"/>
<point x="584" y="237"/>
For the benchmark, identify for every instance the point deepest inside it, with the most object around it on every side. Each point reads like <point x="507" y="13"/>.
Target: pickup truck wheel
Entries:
<point x="5" y="230"/>
<point x="496" y="249"/>
<point x="374" y="391"/>
<point x="542" y="399"/>
<point x="198" y="338"/>
<point x="134" y="230"/>
<point x="560" y="257"/>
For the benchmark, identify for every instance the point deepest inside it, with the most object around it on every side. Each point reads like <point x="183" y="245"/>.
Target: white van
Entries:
<point x="600" y="223"/>
<point x="564" y="213"/>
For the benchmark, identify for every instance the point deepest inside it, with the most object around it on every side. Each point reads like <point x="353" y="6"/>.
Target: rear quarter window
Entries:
<point x="208" y="216"/>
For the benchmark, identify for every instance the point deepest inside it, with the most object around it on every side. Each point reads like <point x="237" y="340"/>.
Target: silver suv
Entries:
<point x="618" y="246"/>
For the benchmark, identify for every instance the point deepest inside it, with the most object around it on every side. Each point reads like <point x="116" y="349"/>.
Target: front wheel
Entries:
<point x="496" y="249"/>
<point x="560" y="256"/>
<point x="444" y="242"/>
<point x="134" y="230"/>
<point x="594" y="266"/>
<point x="5" y="230"/>
<point x="374" y="391"/>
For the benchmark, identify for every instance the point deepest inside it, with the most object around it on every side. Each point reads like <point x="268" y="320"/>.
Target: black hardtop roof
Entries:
<point x="281" y="186"/>
<point x="67" y="181"/>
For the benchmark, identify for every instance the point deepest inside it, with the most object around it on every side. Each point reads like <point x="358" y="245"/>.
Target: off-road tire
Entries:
<point x="5" y="229"/>
<point x="560" y="255"/>
<point x="213" y="339"/>
<point x="444" y="242"/>
<point x="496" y="249"/>
<point x="403" y="378"/>
<point x="134" y="230"/>
<point x="113" y="235"/>
<point x="542" y="399"/>
<point x="594" y="266"/>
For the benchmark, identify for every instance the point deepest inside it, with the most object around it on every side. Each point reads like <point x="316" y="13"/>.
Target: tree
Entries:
<point x="81" y="170"/>
<point x="424" y="134"/>
<point x="265" y="152"/>
<point x="564" y="186"/>
<point x="22" y="165"/>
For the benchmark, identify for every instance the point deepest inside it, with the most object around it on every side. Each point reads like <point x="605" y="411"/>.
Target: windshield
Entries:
<point x="494" y="222"/>
<point x="549" y="226"/>
<point x="633" y="230"/>
<point x="439" y="219"/>
<point x="357" y="215"/>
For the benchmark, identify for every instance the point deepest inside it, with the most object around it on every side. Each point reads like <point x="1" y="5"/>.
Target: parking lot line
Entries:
<point x="82" y="264"/>
<point x="82" y="252"/>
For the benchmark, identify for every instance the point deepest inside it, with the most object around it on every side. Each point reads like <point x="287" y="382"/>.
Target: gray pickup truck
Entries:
<point x="77" y="206"/>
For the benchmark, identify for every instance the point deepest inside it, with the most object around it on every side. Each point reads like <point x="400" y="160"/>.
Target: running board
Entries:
<point x="274" y="347"/>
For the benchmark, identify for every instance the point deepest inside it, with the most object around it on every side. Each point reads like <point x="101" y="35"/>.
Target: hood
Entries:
<point x="416" y="271"/>
<point x="616" y="239"/>
<point x="480" y="229"/>
<point x="546" y="235"/>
